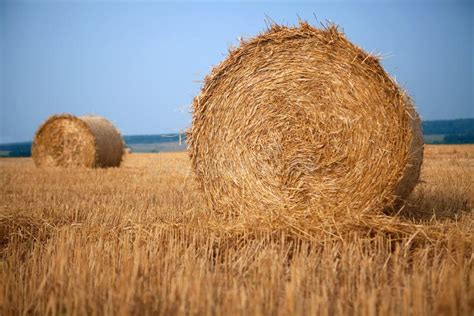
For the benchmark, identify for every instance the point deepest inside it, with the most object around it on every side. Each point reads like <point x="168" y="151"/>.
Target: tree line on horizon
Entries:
<point x="459" y="131"/>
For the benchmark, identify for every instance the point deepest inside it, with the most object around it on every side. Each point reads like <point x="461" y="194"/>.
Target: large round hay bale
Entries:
<point x="69" y="141"/>
<point x="301" y="120"/>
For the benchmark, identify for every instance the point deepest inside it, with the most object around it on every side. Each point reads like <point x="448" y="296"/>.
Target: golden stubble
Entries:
<point x="141" y="240"/>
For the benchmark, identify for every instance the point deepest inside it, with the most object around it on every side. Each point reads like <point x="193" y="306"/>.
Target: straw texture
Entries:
<point x="299" y="120"/>
<point x="69" y="141"/>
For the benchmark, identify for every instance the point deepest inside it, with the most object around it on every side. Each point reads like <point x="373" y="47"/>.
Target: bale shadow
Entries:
<point x="424" y="205"/>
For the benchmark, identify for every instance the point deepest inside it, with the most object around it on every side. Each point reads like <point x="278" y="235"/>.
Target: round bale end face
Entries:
<point x="63" y="141"/>
<point x="302" y="121"/>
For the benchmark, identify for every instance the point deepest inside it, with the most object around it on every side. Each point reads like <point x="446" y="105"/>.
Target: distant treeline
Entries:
<point x="15" y="150"/>
<point x="153" y="139"/>
<point x="459" y="131"/>
<point x="448" y="127"/>
<point x="436" y="132"/>
<point x="459" y="138"/>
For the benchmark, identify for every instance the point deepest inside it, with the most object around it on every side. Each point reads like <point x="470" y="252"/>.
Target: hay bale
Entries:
<point x="69" y="141"/>
<point x="301" y="120"/>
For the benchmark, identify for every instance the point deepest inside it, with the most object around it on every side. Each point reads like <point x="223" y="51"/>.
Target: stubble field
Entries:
<point x="139" y="239"/>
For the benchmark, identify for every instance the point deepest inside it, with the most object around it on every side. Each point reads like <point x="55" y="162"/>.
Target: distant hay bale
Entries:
<point x="300" y="120"/>
<point x="69" y="141"/>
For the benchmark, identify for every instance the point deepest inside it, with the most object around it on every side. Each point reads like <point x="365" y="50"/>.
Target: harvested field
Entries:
<point x="140" y="239"/>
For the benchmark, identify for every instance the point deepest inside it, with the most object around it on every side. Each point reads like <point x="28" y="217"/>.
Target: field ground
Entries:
<point x="139" y="239"/>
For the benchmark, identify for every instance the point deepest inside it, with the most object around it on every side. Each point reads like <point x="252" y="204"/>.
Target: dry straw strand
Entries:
<point x="300" y="121"/>
<point x="68" y="141"/>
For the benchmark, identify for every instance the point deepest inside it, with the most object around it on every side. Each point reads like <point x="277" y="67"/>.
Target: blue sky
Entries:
<point x="140" y="63"/>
